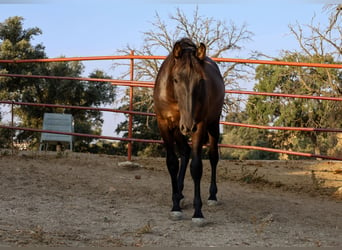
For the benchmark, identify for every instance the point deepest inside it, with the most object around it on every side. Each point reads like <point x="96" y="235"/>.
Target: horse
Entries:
<point x="188" y="98"/>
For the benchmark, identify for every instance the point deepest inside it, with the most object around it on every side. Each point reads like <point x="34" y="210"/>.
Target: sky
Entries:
<point x="101" y="27"/>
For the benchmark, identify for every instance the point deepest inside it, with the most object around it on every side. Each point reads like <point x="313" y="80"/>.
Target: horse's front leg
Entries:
<point x="172" y="166"/>
<point x="184" y="151"/>
<point x="196" y="169"/>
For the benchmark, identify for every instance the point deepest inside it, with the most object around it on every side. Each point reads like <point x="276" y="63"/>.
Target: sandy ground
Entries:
<point x="89" y="200"/>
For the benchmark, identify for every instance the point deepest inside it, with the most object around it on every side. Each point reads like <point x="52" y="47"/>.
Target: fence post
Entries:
<point x="130" y="116"/>
<point x="12" y="124"/>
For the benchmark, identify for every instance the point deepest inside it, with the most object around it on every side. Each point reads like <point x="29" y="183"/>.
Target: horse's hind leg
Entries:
<point x="214" y="158"/>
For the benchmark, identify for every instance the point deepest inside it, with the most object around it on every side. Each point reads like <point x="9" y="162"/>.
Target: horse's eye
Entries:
<point x="175" y="80"/>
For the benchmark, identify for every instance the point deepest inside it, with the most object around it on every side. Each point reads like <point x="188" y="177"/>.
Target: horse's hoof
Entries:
<point x="198" y="222"/>
<point x="176" y="215"/>
<point x="212" y="203"/>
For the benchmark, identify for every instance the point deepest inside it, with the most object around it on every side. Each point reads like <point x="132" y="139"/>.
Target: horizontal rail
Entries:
<point x="281" y="63"/>
<point x="281" y="128"/>
<point x="78" y="107"/>
<point x="243" y="92"/>
<point x="82" y="135"/>
<point x="145" y="84"/>
<point x="112" y="81"/>
<point x="85" y="58"/>
<point x="280" y="151"/>
<point x="123" y="57"/>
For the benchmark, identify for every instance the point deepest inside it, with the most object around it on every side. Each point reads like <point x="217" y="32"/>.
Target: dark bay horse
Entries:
<point x="188" y="99"/>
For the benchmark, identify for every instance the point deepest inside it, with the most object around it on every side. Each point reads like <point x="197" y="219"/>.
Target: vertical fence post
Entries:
<point x="130" y="116"/>
<point x="12" y="124"/>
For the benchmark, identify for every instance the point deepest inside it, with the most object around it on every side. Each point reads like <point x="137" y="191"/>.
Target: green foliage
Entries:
<point x="144" y="127"/>
<point x="5" y="138"/>
<point x="245" y="136"/>
<point x="16" y="43"/>
<point x="297" y="112"/>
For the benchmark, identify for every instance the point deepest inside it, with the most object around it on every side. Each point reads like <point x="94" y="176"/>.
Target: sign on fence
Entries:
<point x="60" y="123"/>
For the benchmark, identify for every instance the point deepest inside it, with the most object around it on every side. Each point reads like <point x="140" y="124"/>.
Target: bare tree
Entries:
<point x="221" y="38"/>
<point x="218" y="36"/>
<point x="322" y="43"/>
<point x="315" y="39"/>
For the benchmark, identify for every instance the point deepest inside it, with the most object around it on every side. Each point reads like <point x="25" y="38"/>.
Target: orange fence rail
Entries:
<point x="136" y="57"/>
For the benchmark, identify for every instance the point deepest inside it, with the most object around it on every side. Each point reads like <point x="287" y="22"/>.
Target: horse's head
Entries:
<point x="188" y="81"/>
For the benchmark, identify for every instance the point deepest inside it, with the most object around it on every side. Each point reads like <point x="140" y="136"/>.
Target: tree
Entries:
<point x="321" y="46"/>
<point x="220" y="37"/>
<point x="16" y="43"/>
<point x="321" y="40"/>
<point x="296" y="112"/>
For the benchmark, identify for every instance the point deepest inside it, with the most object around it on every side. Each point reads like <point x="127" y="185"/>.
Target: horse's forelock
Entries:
<point x="187" y="43"/>
<point x="187" y="61"/>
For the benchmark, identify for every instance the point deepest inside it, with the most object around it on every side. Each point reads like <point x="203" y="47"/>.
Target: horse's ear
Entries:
<point x="201" y="52"/>
<point x="177" y="50"/>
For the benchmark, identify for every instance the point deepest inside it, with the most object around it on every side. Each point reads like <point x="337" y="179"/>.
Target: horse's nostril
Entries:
<point x="182" y="129"/>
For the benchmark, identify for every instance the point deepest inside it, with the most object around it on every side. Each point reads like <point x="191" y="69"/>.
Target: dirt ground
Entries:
<point x="91" y="200"/>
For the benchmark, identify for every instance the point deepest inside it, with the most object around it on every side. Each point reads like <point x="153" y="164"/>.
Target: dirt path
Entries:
<point x="88" y="200"/>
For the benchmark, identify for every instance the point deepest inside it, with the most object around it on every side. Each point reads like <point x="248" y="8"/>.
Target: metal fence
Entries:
<point x="132" y="84"/>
